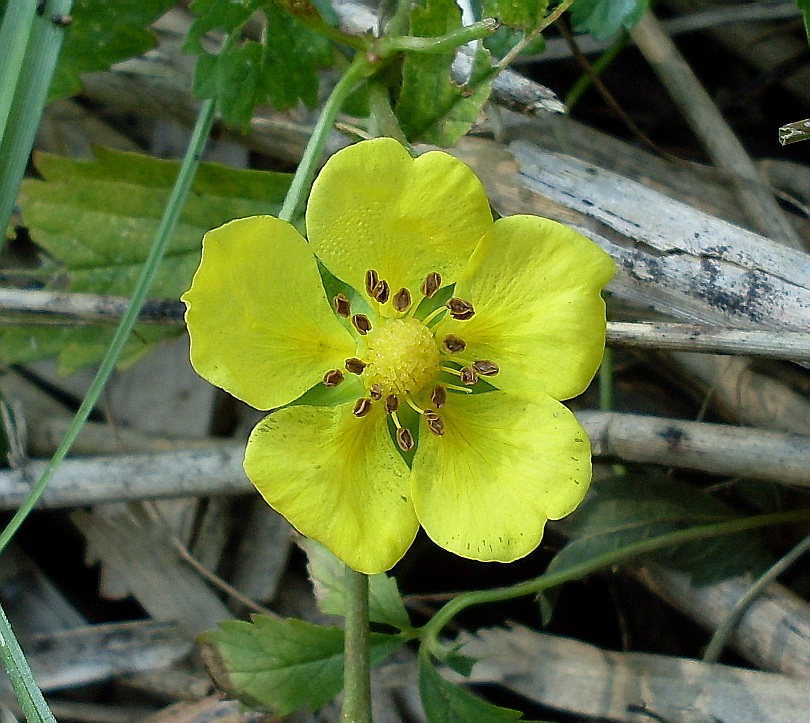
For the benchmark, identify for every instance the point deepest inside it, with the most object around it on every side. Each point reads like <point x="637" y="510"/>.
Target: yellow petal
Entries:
<point x="375" y="207"/>
<point x="505" y="464"/>
<point x="535" y="286"/>
<point x="260" y="324"/>
<point x="337" y="479"/>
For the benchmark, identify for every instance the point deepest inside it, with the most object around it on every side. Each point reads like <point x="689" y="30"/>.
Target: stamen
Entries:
<point x="431" y="284"/>
<point x="457" y="388"/>
<point x="450" y="370"/>
<point x="468" y="376"/>
<point x="485" y="367"/>
<point x="362" y="407"/>
<point x="332" y="378"/>
<point x="439" y="397"/>
<point x="342" y="306"/>
<point x="453" y="344"/>
<point x="433" y="314"/>
<point x="402" y="300"/>
<point x="355" y="365"/>
<point x="413" y="406"/>
<point x="372" y="277"/>
<point x="391" y="403"/>
<point x="375" y="391"/>
<point x="460" y="309"/>
<point x="361" y="323"/>
<point x="405" y="439"/>
<point x="435" y="424"/>
<point x="381" y="291"/>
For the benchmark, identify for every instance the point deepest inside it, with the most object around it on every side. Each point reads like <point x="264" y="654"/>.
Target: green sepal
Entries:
<point x="447" y="703"/>
<point x="328" y="579"/>
<point x="604" y="18"/>
<point x="626" y="509"/>
<point x="282" y="665"/>
<point x="97" y="246"/>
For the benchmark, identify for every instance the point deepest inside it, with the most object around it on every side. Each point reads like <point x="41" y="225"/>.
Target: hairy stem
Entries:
<point x="357" y="667"/>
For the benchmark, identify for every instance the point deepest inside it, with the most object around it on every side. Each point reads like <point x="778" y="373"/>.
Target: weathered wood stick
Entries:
<point x="580" y="678"/>
<point x="78" y="308"/>
<point x="773" y="633"/>
<point x="217" y="469"/>
<point x="99" y="652"/>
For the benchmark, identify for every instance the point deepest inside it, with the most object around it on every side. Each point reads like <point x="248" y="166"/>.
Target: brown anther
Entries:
<point x="405" y="439"/>
<point x="460" y="309"/>
<point x="372" y="277"/>
<point x="355" y="365"/>
<point x="332" y="378"/>
<point x="361" y="323"/>
<point x="381" y="291"/>
<point x="430" y="415"/>
<point x="486" y="368"/>
<point x="375" y="392"/>
<point x="435" y="424"/>
<point x="469" y="376"/>
<point x="439" y="397"/>
<point x="453" y="344"/>
<point x="431" y="284"/>
<point x="391" y="403"/>
<point x="342" y="306"/>
<point x="362" y="407"/>
<point x="401" y="301"/>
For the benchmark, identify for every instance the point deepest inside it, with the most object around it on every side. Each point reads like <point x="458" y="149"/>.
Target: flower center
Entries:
<point x="402" y="356"/>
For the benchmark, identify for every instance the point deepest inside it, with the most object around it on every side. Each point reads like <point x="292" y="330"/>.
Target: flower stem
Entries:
<point x="357" y="666"/>
<point x="431" y="630"/>
<point x="360" y="68"/>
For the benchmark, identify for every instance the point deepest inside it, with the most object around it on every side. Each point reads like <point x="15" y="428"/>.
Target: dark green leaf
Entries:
<point x="280" y="69"/>
<point x="516" y="13"/>
<point x="431" y="107"/>
<point x="224" y="15"/>
<point x="604" y="18"/>
<point x="328" y="577"/>
<point x="282" y="665"/>
<point x="101" y="33"/>
<point x="447" y="703"/>
<point x="804" y="6"/>
<point x="96" y="220"/>
<point x="626" y="509"/>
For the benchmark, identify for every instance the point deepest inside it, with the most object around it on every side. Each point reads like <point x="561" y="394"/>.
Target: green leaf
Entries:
<point x="282" y="665"/>
<point x="327" y="574"/>
<point x="431" y="107"/>
<point x="280" y="69"/>
<point x="604" y="18"/>
<point x="516" y="13"/>
<point x="96" y="220"/>
<point x="626" y="509"/>
<point x="804" y="6"/>
<point x="447" y="703"/>
<point x="101" y="33"/>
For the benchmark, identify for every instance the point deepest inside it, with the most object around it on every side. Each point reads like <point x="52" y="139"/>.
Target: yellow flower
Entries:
<point x="414" y="352"/>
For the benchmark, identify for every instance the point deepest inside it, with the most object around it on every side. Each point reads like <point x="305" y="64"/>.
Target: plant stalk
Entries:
<point x="357" y="665"/>
<point x="168" y="223"/>
<point x="360" y="68"/>
<point x="431" y="630"/>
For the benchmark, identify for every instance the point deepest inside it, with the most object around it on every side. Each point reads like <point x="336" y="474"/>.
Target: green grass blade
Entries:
<point x="28" y="694"/>
<point x="167" y="225"/>
<point x="35" y="76"/>
<point x="14" y="35"/>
